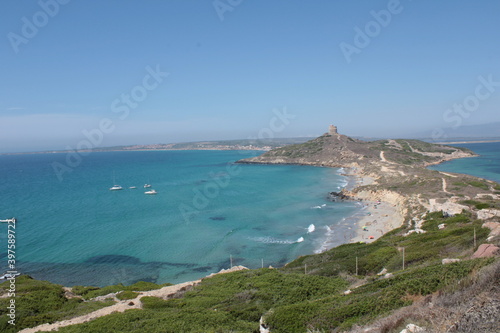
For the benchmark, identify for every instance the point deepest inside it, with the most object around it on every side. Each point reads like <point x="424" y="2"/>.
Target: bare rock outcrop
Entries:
<point x="447" y="206"/>
<point x="495" y="229"/>
<point x="486" y="251"/>
<point x="486" y="214"/>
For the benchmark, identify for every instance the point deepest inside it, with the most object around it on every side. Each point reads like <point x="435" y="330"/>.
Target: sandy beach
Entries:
<point x="382" y="211"/>
<point x="377" y="218"/>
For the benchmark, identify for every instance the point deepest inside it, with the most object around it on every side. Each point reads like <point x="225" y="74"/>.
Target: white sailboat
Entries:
<point x="150" y="192"/>
<point x="115" y="187"/>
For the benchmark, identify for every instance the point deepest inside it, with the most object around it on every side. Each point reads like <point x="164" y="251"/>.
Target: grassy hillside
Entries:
<point x="341" y="150"/>
<point x="39" y="302"/>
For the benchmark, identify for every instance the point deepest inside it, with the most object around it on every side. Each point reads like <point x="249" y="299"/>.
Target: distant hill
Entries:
<point x="243" y="144"/>
<point x="337" y="150"/>
<point x="483" y="131"/>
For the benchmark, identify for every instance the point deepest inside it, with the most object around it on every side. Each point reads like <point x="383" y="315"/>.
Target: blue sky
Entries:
<point x="229" y="69"/>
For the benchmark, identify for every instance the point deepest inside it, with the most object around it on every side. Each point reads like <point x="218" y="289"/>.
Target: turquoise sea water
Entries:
<point x="486" y="165"/>
<point x="208" y="211"/>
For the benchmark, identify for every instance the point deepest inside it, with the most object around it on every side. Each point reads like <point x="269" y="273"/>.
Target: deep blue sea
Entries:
<point x="486" y="165"/>
<point x="208" y="213"/>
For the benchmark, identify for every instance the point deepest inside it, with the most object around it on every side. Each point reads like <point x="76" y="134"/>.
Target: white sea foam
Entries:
<point x="311" y="228"/>
<point x="300" y="240"/>
<point x="271" y="240"/>
<point x="326" y="243"/>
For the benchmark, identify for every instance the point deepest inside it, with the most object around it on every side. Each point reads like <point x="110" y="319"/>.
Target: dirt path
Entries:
<point x="122" y="306"/>
<point x="382" y="157"/>
<point x="445" y="186"/>
<point x="448" y="174"/>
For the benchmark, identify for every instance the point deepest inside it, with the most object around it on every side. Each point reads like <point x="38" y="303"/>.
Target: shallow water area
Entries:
<point x="208" y="213"/>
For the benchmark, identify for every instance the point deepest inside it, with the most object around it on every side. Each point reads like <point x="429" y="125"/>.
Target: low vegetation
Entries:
<point x="91" y="292"/>
<point x="456" y="239"/>
<point x="124" y="295"/>
<point x="476" y="204"/>
<point x="479" y="184"/>
<point x="39" y="302"/>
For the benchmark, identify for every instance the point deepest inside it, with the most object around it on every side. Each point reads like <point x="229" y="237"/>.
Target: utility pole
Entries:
<point x="356" y="266"/>
<point x="403" y="258"/>
<point x="474" y="237"/>
<point x="262" y="263"/>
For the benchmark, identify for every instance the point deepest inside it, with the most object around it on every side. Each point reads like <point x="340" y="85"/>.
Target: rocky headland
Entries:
<point x="393" y="172"/>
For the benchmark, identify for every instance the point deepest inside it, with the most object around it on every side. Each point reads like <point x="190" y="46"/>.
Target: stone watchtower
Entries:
<point x="332" y="130"/>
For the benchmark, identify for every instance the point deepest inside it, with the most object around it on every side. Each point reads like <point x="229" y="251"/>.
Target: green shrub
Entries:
<point x="126" y="295"/>
<point x="477" y="204"/>
<point x="82" y="291"/>
<point x="482" y="206"/>
<point x="479" y="184"/>
<point x="92" y="293"/>
<point x="470" y="202"/>
<point x="155" y="303"/>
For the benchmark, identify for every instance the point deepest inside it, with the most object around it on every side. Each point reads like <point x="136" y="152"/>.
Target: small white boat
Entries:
<point x="132" y="187"/>
<point x="12" y="220"/>
<point x="147" y="185"/>
<point x="115" y="187"/>
<point x="150" y="192"/>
